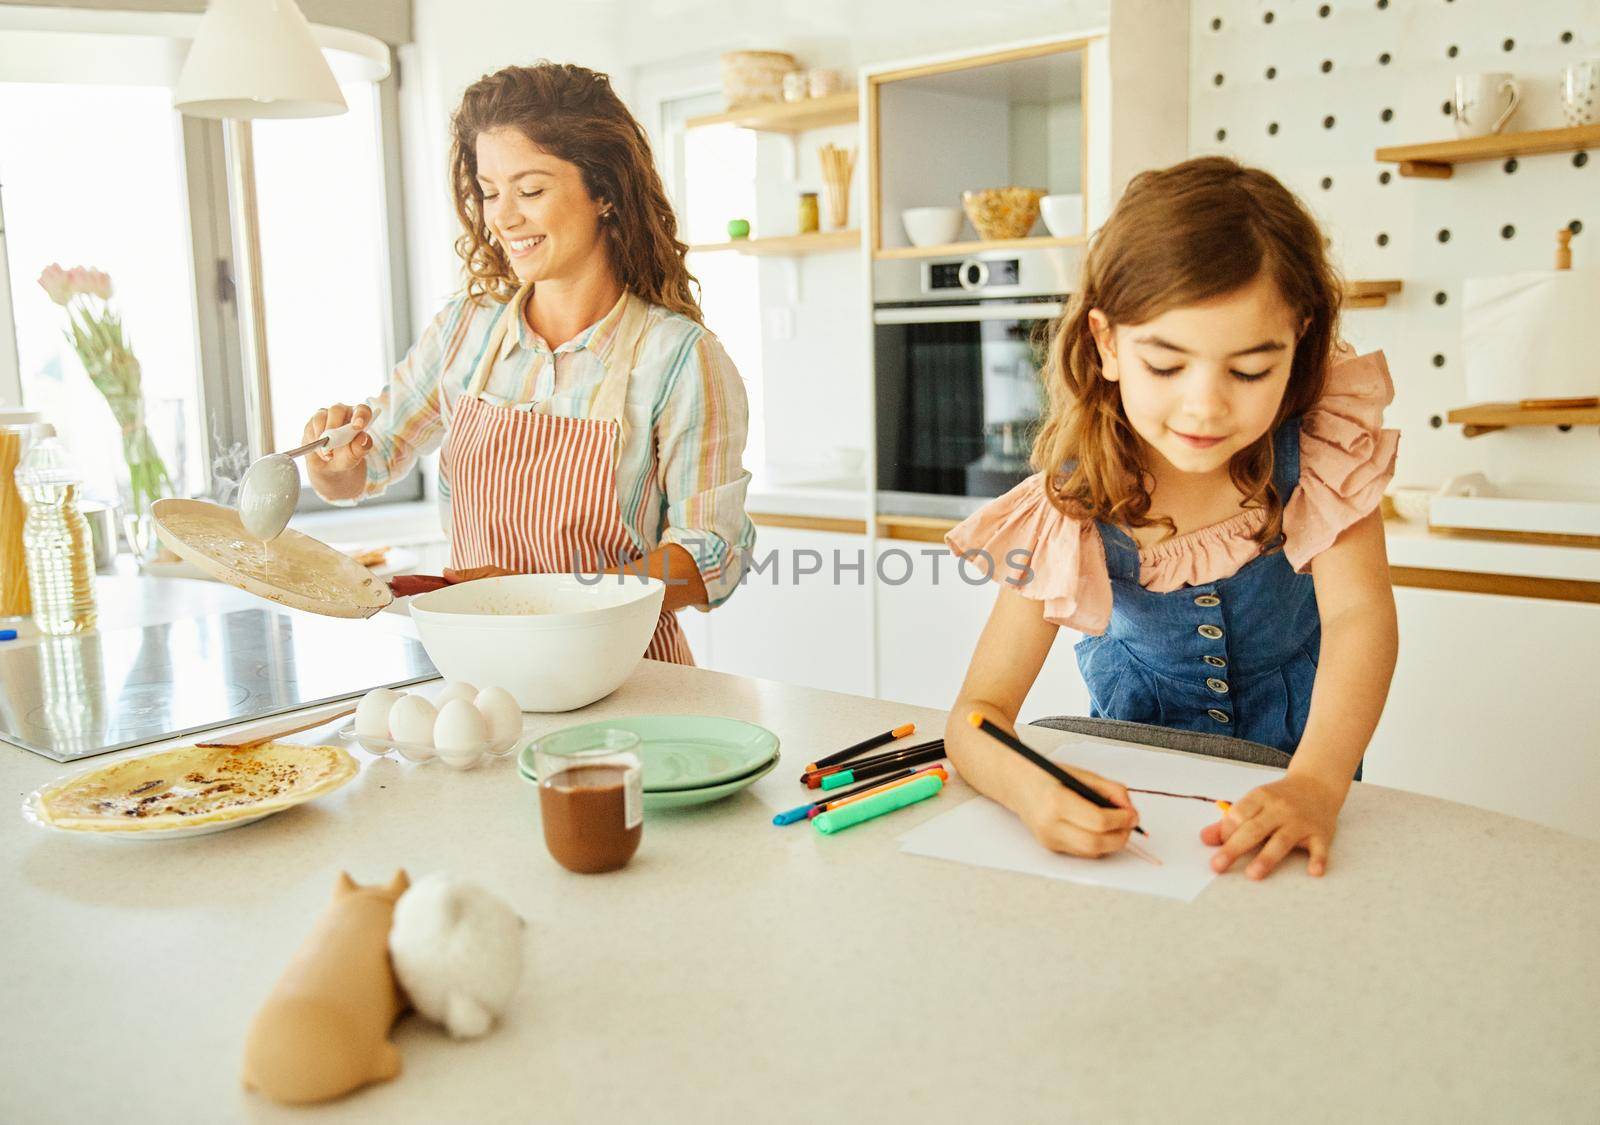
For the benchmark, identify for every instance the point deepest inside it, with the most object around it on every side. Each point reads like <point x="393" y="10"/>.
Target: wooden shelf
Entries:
<point x="1494" y="416"/>
<point x="953" y="249"/>
<point x="1436" y="161"/>
<point x="1369" y="294"/>
<point x="820" y="242"/>
<point x="786" y="117"/>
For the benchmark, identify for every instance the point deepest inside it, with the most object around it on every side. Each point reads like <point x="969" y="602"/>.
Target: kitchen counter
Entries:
<point x="827" y="500"/>
<point x="1443" y="970"/>
<point x="1413" y="545"/>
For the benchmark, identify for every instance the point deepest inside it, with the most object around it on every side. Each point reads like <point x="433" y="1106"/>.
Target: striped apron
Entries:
<point x="537" y="494"/>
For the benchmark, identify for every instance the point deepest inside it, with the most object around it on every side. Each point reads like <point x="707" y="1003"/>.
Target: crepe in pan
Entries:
<point x="192" y="786"/>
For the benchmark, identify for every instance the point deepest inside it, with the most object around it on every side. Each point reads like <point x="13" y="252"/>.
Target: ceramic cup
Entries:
<point x="1483" y="103"/>
<point x="1580" y="92"/>
<point x="794" y="86"/>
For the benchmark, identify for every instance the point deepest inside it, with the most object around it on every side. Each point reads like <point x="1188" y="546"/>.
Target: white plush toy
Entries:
<point x="457" y="952"/>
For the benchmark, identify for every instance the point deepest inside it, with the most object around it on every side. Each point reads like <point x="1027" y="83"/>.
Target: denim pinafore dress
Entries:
<point x="1235" y="657"/>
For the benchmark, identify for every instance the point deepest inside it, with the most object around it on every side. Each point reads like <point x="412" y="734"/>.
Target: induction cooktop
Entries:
<point x="74" y="697"/>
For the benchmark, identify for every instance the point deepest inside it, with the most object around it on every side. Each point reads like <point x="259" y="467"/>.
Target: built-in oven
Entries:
<point x="957" y="348"/>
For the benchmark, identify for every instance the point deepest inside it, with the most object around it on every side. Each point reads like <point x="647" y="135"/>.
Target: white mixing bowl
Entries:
<point x="1062" y="214"/>
<point x="932" y="226"/>
<point x="555" y="642"/>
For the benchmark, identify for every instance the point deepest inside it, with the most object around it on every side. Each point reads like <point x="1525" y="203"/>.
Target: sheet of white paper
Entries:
<point x="985" y="834"/>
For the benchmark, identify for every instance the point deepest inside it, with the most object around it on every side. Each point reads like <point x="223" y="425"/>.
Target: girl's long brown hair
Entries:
<point x="573" y="114"/>
<point x="1180" y="236"/>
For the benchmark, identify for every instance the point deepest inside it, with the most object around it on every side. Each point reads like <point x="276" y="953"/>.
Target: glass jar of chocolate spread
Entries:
<point x="591" y="797"/>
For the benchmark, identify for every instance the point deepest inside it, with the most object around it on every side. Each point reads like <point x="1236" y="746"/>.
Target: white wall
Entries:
<point x="846" y="33"/>
<point x="456" y="43"/>
<point x="1544" y="193"/>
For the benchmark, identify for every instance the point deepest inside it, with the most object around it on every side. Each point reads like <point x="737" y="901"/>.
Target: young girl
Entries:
<point x="1206" y="510"/>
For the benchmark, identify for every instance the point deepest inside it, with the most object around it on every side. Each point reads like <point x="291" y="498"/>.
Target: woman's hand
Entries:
<point x="1296" y="812"/>
<point x="342" y="474"/>
<point x="1064" y="822"/>
<point x="472" y="573"/>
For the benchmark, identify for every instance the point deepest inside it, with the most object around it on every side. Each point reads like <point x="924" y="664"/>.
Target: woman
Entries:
<point x="588" y="418"/>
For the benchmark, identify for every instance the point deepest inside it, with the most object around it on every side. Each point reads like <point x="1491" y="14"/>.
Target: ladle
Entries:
<point x="270" y="489"/>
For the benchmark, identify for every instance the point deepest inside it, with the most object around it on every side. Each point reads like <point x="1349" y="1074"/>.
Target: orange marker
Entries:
<point x="860" y="747"/>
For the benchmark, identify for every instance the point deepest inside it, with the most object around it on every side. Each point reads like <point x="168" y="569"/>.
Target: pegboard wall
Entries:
<point x="1308" y="90"/>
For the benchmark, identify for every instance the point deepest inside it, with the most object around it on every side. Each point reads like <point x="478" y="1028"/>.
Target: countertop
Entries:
<point x="1410" y="544"/>
<point x="1444" y="969"/>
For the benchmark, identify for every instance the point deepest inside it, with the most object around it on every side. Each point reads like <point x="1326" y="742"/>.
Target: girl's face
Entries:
<point x="537" y="208"/>
<point x="1203" y="382"/>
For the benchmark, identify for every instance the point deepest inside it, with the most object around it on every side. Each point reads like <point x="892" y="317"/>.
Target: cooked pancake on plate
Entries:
<point x="192" y="786"/>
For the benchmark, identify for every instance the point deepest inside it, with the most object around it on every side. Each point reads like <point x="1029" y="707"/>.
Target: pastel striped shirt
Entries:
<point x="680" y="478"/>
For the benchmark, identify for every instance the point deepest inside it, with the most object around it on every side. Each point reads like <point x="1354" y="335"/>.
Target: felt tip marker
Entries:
<point x="873" y="790"/>
<point x="849" y="752"/>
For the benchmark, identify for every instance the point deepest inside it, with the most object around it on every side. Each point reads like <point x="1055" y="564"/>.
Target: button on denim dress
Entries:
<point x="1237" y="656"/>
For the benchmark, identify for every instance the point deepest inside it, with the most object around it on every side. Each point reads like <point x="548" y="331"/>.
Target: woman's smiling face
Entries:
<point x="537" y="208"/>
<point x="1203" y="382"/>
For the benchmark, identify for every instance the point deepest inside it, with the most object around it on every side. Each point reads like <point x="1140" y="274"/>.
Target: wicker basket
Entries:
<point x="755" y="77"/>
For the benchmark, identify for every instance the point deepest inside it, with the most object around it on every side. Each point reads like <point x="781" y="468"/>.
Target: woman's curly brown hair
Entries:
<point x="1180" y="236"/>
<point x="572" y="113"/>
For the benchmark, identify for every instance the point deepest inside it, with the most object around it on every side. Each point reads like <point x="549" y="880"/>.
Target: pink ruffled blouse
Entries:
<point x="1346" y="461"/>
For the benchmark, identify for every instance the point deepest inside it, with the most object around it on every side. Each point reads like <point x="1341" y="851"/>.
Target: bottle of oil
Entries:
<point x="55" y="538"/>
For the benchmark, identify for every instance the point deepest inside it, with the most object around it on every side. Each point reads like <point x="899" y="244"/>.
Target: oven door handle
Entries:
<point x="955" y="314"/>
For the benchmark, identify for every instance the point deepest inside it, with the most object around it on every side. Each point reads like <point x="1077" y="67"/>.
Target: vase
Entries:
<point x="151" y="442"/>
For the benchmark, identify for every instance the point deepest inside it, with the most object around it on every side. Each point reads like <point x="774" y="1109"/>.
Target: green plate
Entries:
<point x="680" y="752"/>
<point x="683" y="798"/>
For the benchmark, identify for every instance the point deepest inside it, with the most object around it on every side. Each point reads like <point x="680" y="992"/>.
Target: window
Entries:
<point x="319" y="183"/>
<point x="97" y="169"/>
<point x="711" y="175"/>
<point x="93" y="176"/>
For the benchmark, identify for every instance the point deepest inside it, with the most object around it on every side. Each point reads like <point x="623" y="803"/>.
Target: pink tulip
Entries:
<point x="55" y="281"/>
<point x="99" y="284"/>
<point x="78" y="278"/>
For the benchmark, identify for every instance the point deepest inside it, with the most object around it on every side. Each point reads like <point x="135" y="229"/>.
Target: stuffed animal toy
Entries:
<point x="324" y="1029"/>
<point x="457" y="951"/>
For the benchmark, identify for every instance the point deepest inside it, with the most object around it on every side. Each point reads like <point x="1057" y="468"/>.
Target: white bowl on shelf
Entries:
<point x="556" y="642"/>
<point x="932" y="226"/>
<point x="1062" y="214"/>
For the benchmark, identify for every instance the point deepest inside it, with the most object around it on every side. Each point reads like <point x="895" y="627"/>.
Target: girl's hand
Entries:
<point x="1064" y="822"/>
<point x="1296" y="812"/>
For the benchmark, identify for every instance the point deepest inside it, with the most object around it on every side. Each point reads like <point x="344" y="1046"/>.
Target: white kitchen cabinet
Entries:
<point x="928" y="627"/>
<point x="1496" y="703"/>
<point x="800" y="629"/>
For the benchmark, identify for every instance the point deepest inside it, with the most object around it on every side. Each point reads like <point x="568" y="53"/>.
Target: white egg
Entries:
<point x="454" y="689"/>
<point x="372" y="713"/>
<point x="460" y="733"/>
<point x="411" y="720"/>
<point x="500" y="709"/>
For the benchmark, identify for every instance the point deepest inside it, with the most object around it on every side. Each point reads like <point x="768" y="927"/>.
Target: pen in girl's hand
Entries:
<point x="1011" y="741"/>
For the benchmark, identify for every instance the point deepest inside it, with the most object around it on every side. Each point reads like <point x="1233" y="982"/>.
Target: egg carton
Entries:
<point x="416" y="752"/>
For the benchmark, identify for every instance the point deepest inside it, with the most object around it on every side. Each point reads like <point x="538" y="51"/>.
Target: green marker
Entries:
<point x="837" y="820"/>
